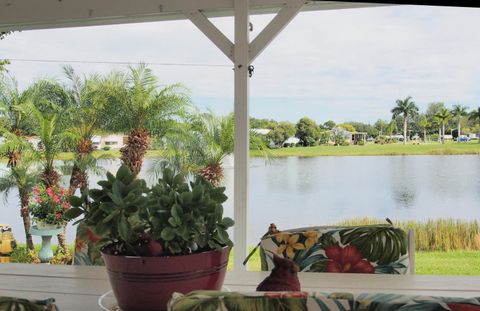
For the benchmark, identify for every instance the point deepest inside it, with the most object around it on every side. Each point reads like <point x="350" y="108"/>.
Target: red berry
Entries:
<point x="154" y="248"/>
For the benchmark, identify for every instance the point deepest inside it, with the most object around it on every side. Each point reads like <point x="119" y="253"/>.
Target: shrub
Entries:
<point x="106" y="148"/>
<point x="24" y="255"/>
<point x="61" y="258"/>
<point x="434" y="137"/>
<point x="361" y="143"/>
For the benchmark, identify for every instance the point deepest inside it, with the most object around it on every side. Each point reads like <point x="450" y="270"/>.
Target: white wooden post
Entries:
<point x="241" y="149"/>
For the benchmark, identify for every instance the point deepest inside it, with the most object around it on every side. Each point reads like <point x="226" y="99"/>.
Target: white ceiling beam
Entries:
<point x="212" y="32"/>
<point x="276" y="25"/>
<point x="41" y="14"/>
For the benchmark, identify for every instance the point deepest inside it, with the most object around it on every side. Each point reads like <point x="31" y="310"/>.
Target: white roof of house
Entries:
<point x="261" y="131"/>
<point x="292" y="140"/>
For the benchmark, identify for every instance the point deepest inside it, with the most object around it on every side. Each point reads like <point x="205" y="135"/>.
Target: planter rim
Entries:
<point x="169" y="256"/>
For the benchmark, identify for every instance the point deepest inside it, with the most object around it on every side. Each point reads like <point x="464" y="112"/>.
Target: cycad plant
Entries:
<point x="406" y="108"/>
<point x="458" y="112"/>
<point x="443" y="116"/>
<point x="136" y="105"/>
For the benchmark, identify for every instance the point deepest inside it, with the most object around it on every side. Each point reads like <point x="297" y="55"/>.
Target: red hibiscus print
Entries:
<point x="347" y="260"/>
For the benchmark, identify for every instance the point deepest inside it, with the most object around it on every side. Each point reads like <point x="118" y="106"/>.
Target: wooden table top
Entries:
<point x="79" y="287"/>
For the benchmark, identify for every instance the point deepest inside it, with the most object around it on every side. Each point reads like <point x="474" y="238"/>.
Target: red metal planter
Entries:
<point x="147" y="283"/>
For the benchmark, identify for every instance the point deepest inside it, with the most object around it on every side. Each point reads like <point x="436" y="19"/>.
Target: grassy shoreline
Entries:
<point x="398" y="149"/>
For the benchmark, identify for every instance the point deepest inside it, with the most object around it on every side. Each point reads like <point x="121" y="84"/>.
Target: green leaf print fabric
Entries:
<point x="362" y="249"/>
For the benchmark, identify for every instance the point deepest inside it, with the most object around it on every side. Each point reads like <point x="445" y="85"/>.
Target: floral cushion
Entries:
<point x="361" y="249"/>
<point x="14" y="304"/>
<point x="391" y="302"/>
<point x="267" y="301"/>
<point x="87" y="247"/>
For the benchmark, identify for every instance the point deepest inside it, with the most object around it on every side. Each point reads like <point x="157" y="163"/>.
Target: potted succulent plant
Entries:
<point x="171" y="237"/>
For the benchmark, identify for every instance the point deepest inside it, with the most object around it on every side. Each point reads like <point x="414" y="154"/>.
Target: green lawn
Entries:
<point x="449" y="148"/>
<point x="437" y="263"/>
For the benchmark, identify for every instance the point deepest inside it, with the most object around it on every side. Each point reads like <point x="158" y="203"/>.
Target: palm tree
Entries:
<point x="13" y="126"/>
<point x="22" y="177"/>
<point x="424" y="124"/>
<point x="84" y="119"/>
<point x="474" y="115"/>
<point x="443" y="116"/>
<point x="136" y="105"/>
<point x="458" y="112"/>
<point x="406" y="108"/>
<point x="53" y="136"/>
<point x="201" y="145"/>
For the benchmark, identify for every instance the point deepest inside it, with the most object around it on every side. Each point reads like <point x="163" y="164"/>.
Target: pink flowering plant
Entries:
<point x="48" y="204"/>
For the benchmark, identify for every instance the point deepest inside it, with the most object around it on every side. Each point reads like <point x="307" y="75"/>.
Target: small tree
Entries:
<point x="307" y="131"/>
<point x="281" y="132"/>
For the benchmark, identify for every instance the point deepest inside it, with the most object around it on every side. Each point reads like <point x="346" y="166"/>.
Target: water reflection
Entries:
<point x="296" y="192"/>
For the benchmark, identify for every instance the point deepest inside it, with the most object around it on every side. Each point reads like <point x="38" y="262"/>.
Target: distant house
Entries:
<point x="261" y="131"/>
<point x="291" y="141"/>
<point x="112" y="141"/>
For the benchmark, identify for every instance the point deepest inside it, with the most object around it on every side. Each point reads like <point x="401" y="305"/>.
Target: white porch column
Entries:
<point x="241" y="149"/>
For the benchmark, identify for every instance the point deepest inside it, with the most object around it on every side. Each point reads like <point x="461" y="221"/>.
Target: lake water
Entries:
<point x="297" y="192"/>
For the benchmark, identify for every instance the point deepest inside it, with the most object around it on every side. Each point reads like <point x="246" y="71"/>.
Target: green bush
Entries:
<point x="361" y="143"/>
<point x="23" y="255"/>
<point x="106" y="148"/>
<point x="434" y="137"/>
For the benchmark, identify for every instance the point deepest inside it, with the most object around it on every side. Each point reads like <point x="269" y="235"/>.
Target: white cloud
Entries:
<point x="341" y="65"/>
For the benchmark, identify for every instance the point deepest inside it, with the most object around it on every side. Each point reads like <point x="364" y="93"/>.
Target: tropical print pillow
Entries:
<point x="391" y="302"/>
<point x="264" y="301"/>
<point x="361" y="249"/>
<point x="14" y="304"/>
<point x="87" y="247"/>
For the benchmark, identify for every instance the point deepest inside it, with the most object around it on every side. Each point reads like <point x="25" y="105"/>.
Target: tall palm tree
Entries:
<point x="406" y="108"/>
<point x="458" y="112"/>
<point x="13" y="127"/>
<point x="136" y="105"/>
<point x="474" y="115"/>
<point x="84" y="119"/>
<point x="443" y="116"/>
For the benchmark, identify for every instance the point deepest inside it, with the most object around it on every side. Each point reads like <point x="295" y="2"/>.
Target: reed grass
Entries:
<point x="435" y="235"/>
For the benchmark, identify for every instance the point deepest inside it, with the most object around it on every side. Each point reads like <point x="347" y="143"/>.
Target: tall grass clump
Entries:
<point x="434" y="235"/>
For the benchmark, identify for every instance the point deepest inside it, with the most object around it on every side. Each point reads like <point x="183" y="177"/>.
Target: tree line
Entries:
<point x="435" y="122"/>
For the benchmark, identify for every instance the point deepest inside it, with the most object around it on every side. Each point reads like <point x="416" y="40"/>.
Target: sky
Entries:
<point x="345" y="65"/>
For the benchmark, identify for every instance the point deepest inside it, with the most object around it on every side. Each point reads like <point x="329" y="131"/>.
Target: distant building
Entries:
<point x="261" y="131"/>
<point x="112" y="141"/>
<point x="291" y="141"/>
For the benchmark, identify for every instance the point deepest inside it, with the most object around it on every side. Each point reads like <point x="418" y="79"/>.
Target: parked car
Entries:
<point x="463" y="138"/>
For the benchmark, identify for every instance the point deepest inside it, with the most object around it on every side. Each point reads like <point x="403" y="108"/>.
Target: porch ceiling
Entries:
<point x="40" y="14"/>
